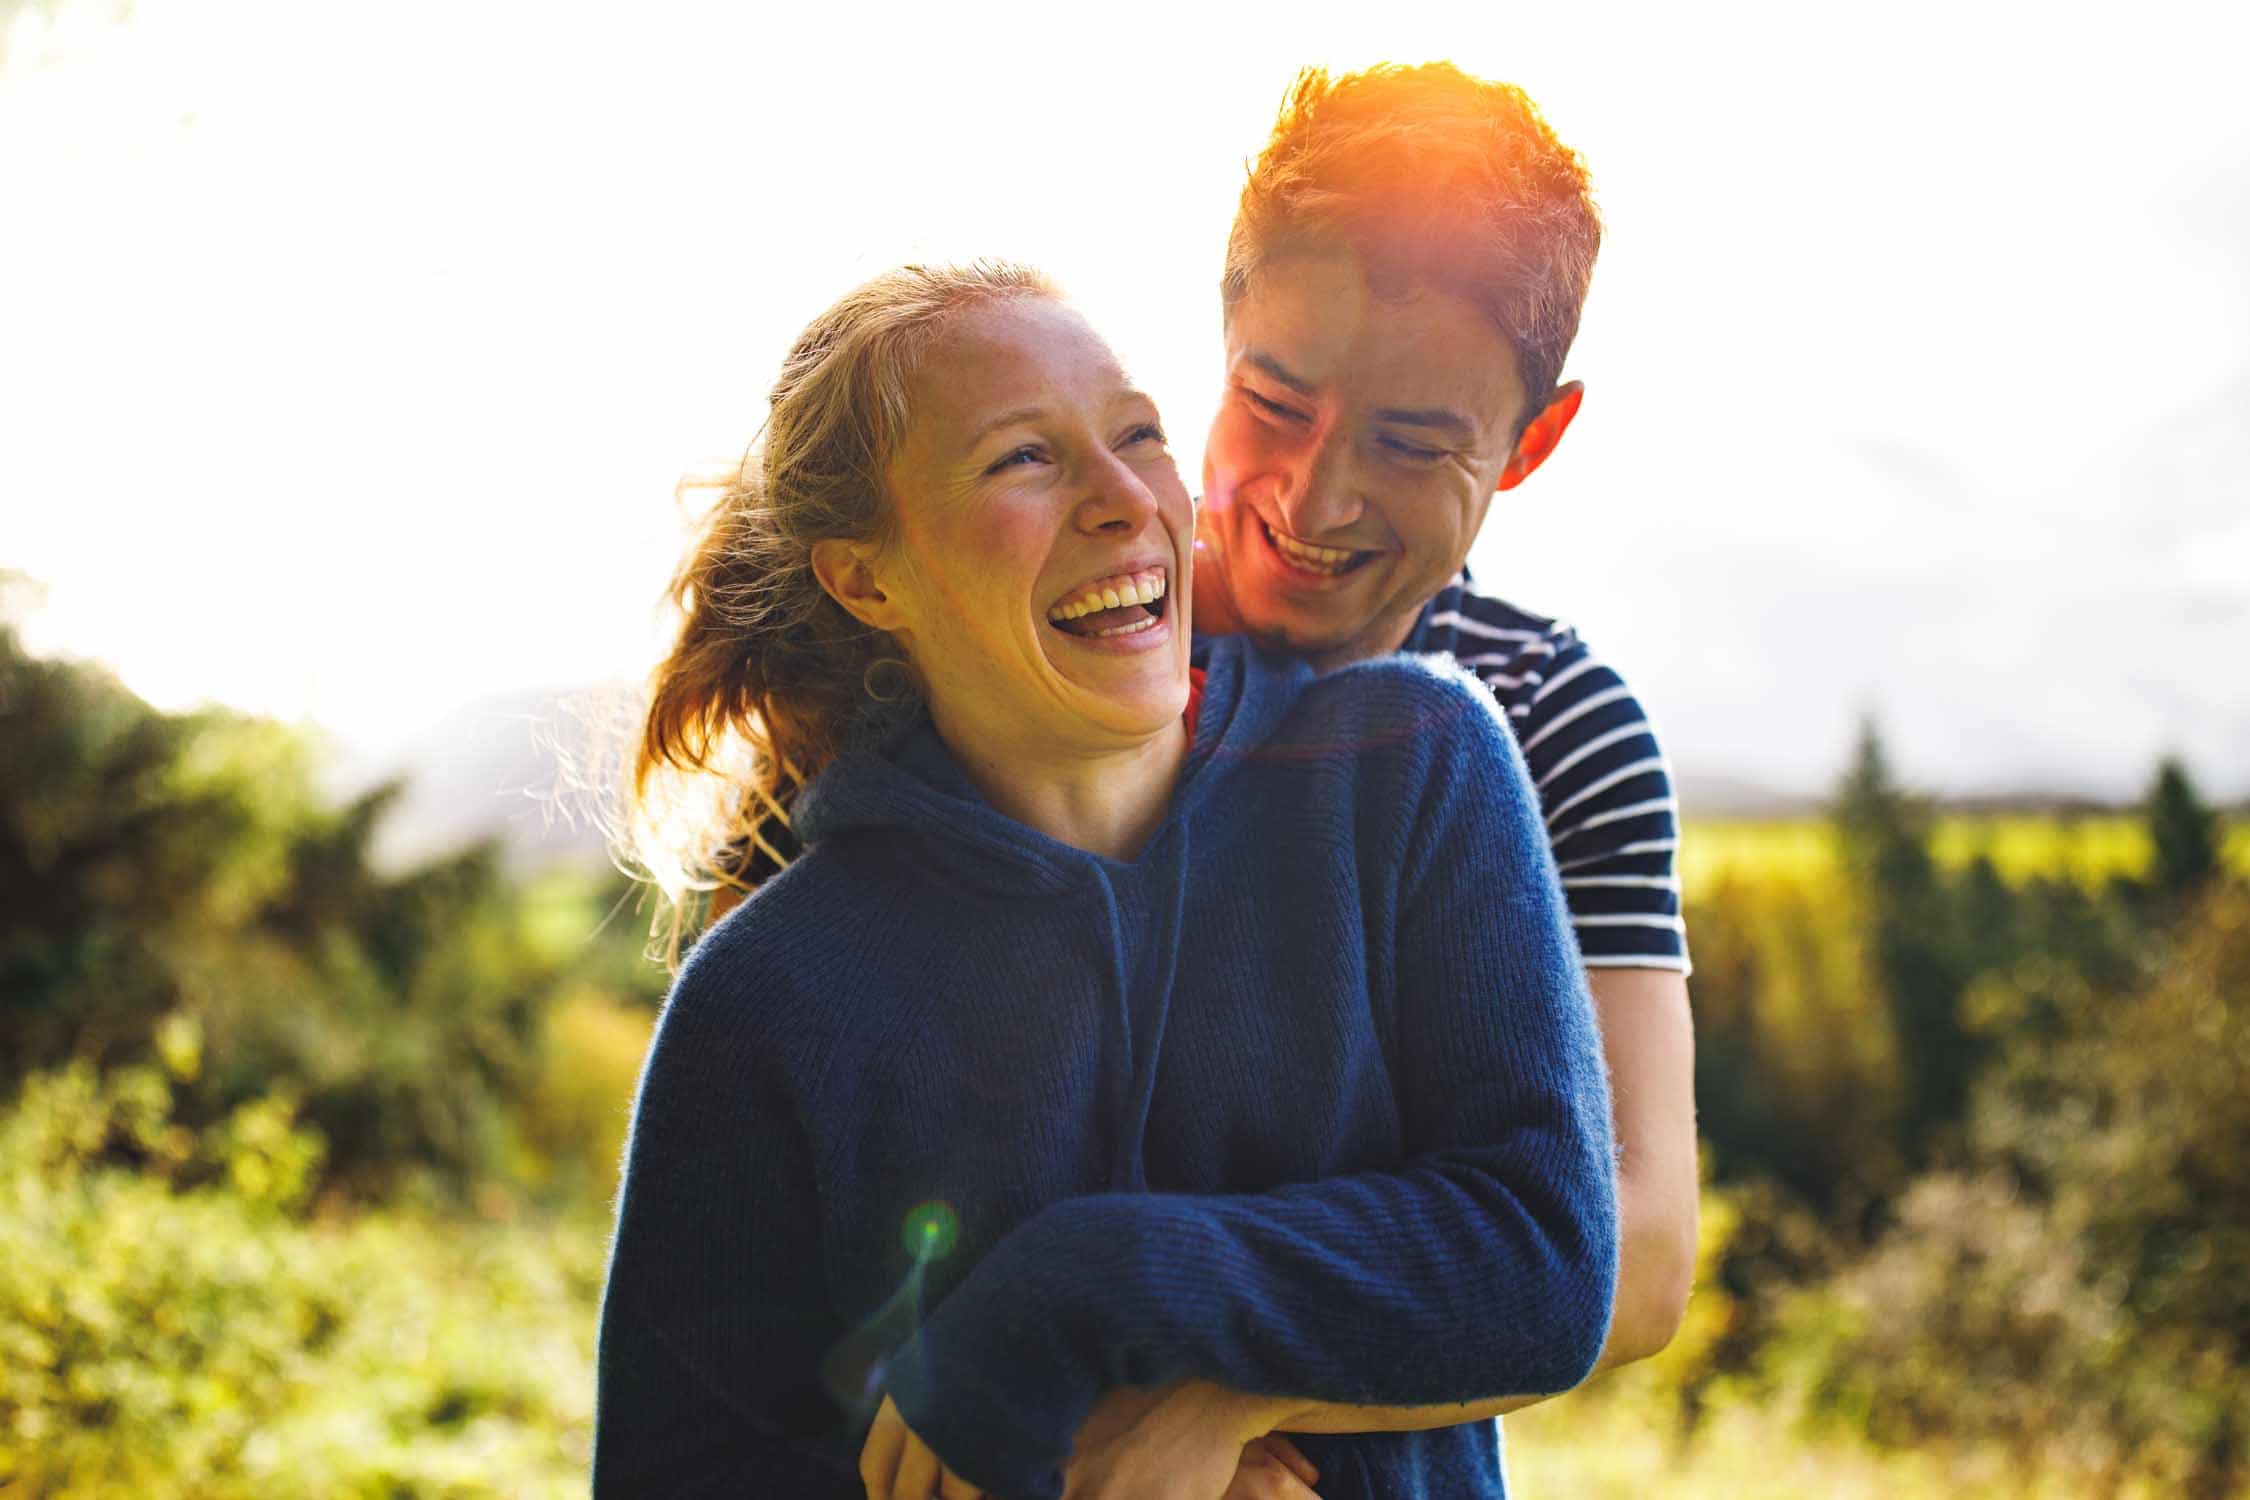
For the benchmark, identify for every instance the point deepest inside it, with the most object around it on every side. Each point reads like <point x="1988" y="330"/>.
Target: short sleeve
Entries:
<point x="1606" y="795"/>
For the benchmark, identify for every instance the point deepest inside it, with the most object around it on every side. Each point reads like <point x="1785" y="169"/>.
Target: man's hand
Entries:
<point x="1191" y="1441"/>
<point x="896" y="1465"/>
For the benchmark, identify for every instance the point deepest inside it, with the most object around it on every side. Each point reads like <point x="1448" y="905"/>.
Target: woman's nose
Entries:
<point x="1115" y="499"/>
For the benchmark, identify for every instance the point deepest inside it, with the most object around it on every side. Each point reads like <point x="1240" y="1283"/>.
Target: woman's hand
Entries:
<point x="896" y="1465"/>
<point x="1191" y="1441"/>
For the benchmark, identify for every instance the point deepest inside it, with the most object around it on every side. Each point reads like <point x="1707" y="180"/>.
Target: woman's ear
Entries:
<point x="846" y="571"/>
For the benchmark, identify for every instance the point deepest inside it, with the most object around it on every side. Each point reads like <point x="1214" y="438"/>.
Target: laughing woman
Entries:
<point x="1121" y="1028"/>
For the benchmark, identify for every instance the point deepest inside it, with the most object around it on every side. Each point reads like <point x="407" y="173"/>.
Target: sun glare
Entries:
<point x="356" y="351"/>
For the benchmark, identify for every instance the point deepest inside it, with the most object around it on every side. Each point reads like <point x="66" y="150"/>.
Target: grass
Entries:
<point x="1610" y="1442"/>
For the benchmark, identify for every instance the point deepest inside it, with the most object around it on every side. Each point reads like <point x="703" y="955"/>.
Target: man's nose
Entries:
<point x="1323" y="494"/>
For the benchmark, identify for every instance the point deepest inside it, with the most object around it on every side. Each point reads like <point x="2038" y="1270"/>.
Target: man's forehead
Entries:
<point x="1321" y="315"/>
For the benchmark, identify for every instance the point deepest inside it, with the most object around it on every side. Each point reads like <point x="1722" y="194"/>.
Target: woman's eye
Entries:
<point x="1015" y="458"/>
<point x="1147" y="432"/>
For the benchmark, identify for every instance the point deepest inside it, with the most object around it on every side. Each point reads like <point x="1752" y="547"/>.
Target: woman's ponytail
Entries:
<point x="767" y="672"/>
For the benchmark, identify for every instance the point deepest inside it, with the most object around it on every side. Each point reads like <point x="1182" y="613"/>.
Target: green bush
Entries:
<point x="181" y="870"/>
<point x="170" y="1324"/>
<point x="2079" y="1293"/>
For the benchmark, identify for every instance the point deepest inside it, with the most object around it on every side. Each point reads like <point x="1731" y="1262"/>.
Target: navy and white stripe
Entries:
<point x="1604" y="784"/>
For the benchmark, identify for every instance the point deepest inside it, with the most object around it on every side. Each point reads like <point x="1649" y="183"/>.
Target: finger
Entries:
<point x="917" y="1472"/>
<point x="878" y="1456"/>
<point x="1290" y="1456"/>
<point x="1264" y="1477"/>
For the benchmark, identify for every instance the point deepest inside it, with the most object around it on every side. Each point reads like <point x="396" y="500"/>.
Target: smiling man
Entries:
<point x="1403" y="281"/>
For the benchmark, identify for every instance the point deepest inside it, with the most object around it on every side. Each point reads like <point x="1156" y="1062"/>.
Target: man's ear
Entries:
<point x="846" y="571"/>
<point x="1541" y="435"/>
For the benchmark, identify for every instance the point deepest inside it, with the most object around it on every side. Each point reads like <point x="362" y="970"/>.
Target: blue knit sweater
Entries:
<point x="1307" y="1099"/>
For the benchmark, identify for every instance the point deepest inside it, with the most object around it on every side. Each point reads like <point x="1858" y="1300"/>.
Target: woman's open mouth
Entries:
<point x="1121" y="604"/>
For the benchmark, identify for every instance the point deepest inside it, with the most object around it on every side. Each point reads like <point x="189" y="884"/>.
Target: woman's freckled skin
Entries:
<point x="996" y="524"/>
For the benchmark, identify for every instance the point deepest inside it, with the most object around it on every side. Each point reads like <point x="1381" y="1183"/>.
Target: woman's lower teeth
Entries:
<point x="1144" y="623"/>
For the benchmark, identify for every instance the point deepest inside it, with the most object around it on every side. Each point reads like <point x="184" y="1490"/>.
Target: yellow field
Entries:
<point x="2090" y="850"/>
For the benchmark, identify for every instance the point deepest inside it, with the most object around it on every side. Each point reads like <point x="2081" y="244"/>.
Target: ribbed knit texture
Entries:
<point x="1307" y="1099"/>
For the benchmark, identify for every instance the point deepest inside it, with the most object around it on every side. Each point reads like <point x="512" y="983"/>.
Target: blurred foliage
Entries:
<point x="2076" y="1289"/>
<point x="288" y="1139"/>
<point x="2059" y="1305"/>
<point x="178" y="876"/>
<point x="171" y="1324"/>
<point x="2047" y="1285"/>
<point x="305" y="1165"/>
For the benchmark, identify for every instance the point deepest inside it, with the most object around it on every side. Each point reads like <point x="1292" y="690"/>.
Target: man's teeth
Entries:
<point x="1310" y="557"/>
<point x="1114" y="593"/>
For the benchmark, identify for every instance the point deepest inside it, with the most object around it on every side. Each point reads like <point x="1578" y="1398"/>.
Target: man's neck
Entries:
<point x="1379" y="639"/>
<point x="1106" y="802"/>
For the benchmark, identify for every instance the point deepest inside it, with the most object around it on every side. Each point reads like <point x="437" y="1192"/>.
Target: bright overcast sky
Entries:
<point x="350" y="352"/>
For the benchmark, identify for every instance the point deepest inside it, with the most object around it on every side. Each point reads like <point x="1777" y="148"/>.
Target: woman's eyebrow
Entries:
<point x="1006" y="419"/>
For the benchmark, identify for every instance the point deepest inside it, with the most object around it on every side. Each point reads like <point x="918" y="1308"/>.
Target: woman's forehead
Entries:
<point x="1004" y="356"/>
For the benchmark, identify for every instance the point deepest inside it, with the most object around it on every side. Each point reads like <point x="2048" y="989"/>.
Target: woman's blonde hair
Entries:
<point x="767" y="671"/>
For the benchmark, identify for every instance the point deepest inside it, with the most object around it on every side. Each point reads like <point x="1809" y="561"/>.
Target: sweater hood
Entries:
<point x="906" y="784"/>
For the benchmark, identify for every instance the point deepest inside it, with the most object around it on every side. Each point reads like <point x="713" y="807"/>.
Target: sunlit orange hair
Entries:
<point x="1432" y="176"/>
<point x="767" y="672"/>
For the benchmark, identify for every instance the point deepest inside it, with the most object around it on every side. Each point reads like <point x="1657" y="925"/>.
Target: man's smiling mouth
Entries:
<point x="1329" y="562"/>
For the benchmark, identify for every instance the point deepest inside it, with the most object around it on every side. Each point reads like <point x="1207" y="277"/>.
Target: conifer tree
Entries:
<point x="1922" y="966"/>
<point x="2186" y="834"/>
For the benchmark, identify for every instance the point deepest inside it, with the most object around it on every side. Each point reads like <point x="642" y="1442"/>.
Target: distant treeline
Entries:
<point x="1979" y="1138"/>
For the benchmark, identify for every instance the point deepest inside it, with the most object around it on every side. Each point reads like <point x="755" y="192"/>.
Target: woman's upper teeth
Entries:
<point x="1112" y="593"/>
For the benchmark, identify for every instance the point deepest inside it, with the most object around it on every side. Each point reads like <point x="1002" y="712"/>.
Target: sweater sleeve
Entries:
<point x="715" y="1316"/>
<point x="1483" y="1266"/>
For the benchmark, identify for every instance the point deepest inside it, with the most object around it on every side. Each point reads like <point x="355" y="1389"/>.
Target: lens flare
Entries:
<point x="853" y="1370"/>
<point x="931" y="1230"/>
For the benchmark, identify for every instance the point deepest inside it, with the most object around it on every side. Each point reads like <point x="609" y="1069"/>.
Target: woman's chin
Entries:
<point x="1143" y="714"/>
<point x="1125" y="690"/>
<point x="1135" y="708"/>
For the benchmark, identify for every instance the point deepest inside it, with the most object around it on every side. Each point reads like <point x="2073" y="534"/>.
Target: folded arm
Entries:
<point x="1649" y="1042"/>
<point x="1482" y="1267"/>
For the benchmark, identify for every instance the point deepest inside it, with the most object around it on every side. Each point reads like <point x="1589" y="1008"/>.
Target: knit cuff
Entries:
<point x="1007" y="1436"/>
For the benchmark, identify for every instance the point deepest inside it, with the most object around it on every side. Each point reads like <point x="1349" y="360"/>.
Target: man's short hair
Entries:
<point x="1431" y="175"/>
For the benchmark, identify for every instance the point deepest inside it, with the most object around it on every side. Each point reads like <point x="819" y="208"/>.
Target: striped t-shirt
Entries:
<point x="1603" y="781"/>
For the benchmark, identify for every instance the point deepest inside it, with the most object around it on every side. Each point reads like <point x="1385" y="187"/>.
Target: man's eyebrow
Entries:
<point x="1430" y="416"/>
<point x="1279" y="371"/>
<point x="1443" y="418"/>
